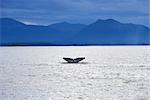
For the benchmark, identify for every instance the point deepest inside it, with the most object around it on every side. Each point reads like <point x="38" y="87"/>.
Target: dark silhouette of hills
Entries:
<point x="66" y="27"/>
<point x="101" y="32"/>
<point x="113" y="32"/>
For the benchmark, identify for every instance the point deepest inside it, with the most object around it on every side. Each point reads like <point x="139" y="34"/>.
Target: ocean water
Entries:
<point x="107" y="73"/>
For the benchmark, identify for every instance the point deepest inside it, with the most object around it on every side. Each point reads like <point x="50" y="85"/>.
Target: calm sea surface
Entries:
<point x="107" y="73"/>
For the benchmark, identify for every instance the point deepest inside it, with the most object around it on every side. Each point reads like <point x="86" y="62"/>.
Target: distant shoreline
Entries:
<point x="17" y="45"/>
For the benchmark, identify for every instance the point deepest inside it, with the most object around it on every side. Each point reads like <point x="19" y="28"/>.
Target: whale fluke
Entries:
<point x="71" y="60"/>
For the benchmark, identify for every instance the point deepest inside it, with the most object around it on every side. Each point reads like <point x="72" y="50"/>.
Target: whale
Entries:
<point x="75" y="60"/>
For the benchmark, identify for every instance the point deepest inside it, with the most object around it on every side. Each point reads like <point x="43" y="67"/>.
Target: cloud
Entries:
<point x="80" y="11"/>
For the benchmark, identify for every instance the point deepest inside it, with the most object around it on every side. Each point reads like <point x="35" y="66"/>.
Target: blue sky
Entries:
<point x="76" y="11"/>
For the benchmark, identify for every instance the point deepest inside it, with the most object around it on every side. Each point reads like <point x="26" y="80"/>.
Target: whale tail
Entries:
<point x="76" y="60"/>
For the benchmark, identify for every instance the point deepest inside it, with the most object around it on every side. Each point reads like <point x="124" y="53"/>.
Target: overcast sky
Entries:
<point x="76" y="11"/>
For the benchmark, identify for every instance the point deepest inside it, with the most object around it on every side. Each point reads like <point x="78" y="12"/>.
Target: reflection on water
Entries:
<point x="75" y="63"/>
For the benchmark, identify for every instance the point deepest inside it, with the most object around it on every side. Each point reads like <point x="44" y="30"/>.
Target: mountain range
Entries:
<point x="101" y="32"/>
